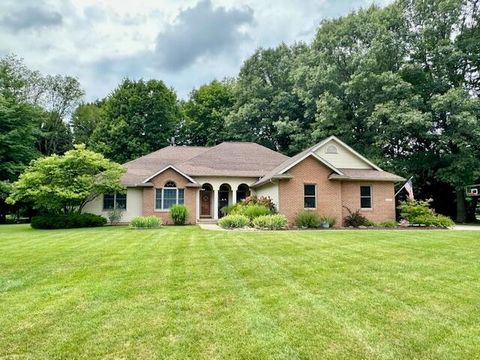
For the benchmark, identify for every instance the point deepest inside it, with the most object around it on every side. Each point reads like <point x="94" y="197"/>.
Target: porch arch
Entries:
<point x="243" y="190"/>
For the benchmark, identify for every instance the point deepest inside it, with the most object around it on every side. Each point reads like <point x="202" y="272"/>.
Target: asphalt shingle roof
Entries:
<point x="240" y="159"/>
<point x="234" y="159"/>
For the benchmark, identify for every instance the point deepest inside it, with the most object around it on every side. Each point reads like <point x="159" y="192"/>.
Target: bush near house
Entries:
<point x="355" y="219"/>
<point x="230" y="209"/>
<point x="389" y="224"/>
<point x="308" y="219"/>
<point x="253" y="211"/>
<point x="67" y="221"/>
<point x="251" y="207"/>
<point x="265" y="201"/>
<point x="115" y="216"/>
<point x="179" y="214"/>
<point x="234" y="221"/>
<point x="270" y="222"/>
<point x="327" y="221"/>
<point x="419" y="212"/>
<point x="146" y="222"/>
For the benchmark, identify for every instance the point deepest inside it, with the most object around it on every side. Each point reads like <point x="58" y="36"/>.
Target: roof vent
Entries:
<point x="331" y="149"/>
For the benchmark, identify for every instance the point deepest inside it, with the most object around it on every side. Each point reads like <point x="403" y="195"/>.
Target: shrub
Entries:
<point x="179" y="214"/>
<point x="145" y="222"/>
<point x="308" y="219"/>
<point x="434" y="220"/>
<point x="230" y="209"/>
<point x="115" y="215"/>
<point x="262" y="200"/>
<point x="419" y="212"/>
<point x="271" y="222"/>
<point x="252" y="211"/>
<point x="327" y="221"/>
<point x="388" y="224"/>
<point x="67" y="221"/>
<point x="356" y="219"/>
<point x="234" y="221"/>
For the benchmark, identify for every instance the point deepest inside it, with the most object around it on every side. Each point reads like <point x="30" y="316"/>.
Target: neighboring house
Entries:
<point x="328" y="178"/>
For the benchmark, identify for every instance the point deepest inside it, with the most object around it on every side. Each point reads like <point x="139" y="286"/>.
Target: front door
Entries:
<point x="205" y="203"/>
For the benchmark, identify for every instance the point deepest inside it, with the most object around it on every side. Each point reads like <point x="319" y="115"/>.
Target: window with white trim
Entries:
<point x="309" y="196"/>
<point x="114" y="201"/>
<point x="168" y="196"/>
<point x="366" y="197"/>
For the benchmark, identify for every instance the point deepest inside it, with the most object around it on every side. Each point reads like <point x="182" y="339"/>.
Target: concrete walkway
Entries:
<point x="210" y="227"/>
<point x="467" y="227"/>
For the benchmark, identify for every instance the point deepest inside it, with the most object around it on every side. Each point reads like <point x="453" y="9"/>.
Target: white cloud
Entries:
<point x="185" y="43"/>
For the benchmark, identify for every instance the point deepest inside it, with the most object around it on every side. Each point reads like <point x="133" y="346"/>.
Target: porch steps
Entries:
<point x="207" y="221"/>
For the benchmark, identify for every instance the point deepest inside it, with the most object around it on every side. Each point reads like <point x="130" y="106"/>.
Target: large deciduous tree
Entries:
<point x="205" y="112"/>
<point x="85" y="119"/>
<point x="139" y="117"/>
<point x="66" y="183"/>
<point x="266" y="109"/>
<point x="18" y="133"/>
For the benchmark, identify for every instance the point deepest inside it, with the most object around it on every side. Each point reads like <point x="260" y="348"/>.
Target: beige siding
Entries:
<point x="270" y="190"/>
<point x="343" y="159"/>
<point x="134" y="205"/>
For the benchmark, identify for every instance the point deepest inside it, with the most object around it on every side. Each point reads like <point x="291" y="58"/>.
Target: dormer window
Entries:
<point x="331" y="149"/>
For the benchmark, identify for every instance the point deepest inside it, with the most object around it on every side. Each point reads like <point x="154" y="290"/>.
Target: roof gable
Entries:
<point x="174" y="169"/>
<point x="340" y="155"/>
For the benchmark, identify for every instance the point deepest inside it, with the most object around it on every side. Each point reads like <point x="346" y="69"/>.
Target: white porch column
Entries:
<point x="215" y="203"/>
<point x="234" y="196"/>
<point x="197" y="205"/>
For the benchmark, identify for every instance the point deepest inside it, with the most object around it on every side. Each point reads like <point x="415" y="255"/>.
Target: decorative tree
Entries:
<point x="66" y="183"/>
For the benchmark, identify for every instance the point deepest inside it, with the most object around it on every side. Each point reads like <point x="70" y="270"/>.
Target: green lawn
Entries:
<point x="180" y="292"/>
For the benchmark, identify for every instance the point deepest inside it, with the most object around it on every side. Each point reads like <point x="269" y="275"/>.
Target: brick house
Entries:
<point x="328" y="177"/>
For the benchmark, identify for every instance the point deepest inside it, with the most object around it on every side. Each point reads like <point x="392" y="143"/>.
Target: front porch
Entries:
<point x="212" y="198"/>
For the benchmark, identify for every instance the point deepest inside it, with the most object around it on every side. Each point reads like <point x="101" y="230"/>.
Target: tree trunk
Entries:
<point x="461" y="211"/>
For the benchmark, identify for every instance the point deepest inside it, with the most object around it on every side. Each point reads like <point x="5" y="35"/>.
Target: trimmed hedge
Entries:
<point x="179" y="214"/>
<point x="145" y="222"/>
<point x="67" y="221"/>
<point x="234" y="221"/>
<point x="271" y="222"/>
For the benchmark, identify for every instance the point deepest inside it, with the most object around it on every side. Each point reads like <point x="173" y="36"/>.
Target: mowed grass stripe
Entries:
<point x="180" y="292"/>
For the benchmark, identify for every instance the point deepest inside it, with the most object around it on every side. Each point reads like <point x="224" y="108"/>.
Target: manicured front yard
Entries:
<point x="181" y="292"/>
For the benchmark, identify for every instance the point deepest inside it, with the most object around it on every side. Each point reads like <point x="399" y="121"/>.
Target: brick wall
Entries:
<point x="158" y="182"/>
<point x="310" y="171"/>
<point x="332" y="196"/>
<point x="381" y="210"/>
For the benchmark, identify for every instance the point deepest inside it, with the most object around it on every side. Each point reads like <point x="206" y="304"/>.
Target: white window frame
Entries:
<point x="162" y="189"/>
<point x="366" y="197"/>
<point x="314" y="196"/>
<point x="114" y="202"/>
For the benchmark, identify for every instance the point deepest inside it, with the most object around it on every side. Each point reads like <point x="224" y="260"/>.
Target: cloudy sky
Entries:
<point x="183" y="42"/>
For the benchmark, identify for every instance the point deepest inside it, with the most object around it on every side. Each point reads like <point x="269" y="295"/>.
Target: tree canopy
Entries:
<point x="138" y="117"/>
<point x="399" y="83"/>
